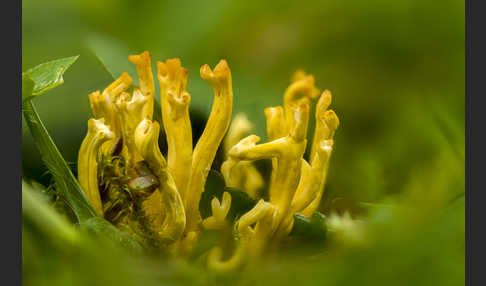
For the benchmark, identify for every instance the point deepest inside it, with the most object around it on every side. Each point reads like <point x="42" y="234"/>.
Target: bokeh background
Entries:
<point x="396" y="70"/>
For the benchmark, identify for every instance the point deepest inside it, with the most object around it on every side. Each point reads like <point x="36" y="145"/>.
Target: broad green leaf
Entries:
<point x="48" y="75"/>
<point x="314" y="228"/>
<point x="215" y="187"/>
<point x="66" y="183"/>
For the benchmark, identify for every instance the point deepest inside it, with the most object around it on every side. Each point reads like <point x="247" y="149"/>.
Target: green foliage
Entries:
<point x="314" y="228"/>
<point x="112" y="55"/>
<point x="27" y="88"/>
<point x="40" y="215"/>
<point x="103" y="228"/>
<point x="66" y="183"/>
<point x="47" y="76"/>
<point x="215" y="187"/>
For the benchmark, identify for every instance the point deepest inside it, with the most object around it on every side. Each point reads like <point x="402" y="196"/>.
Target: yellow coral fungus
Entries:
<point x="128" y="180"/>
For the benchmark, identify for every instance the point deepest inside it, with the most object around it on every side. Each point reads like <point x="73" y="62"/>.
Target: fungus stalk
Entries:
<point x="177" y="125"/>
<point x="146" y="140"/>
<point x="98" y="133"/>
<point x="206" y="147"/>
<point x="219" y="212"/>
<point x="240" y="174"/>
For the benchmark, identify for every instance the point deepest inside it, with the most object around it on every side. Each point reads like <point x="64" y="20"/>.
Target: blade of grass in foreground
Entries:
<point x="46" y="218"/>
<point x="36" y="81"/>
<point x="64" y="178"/>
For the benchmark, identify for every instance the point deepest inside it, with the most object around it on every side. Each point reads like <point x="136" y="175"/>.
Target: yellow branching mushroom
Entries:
<point x="129" y="182"/>
<point x="288" y="150"/>
<point x="296" y="186"/>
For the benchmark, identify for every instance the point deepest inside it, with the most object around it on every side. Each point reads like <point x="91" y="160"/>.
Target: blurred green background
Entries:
<point x="395" y="68"/>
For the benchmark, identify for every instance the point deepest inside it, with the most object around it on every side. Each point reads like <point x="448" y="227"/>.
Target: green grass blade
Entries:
<point x="45" y="218"/>
<point x="64" y="178"/>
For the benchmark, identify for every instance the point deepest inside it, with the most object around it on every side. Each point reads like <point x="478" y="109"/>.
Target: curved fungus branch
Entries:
<point x="252" y="239"/>
<point x="219" y="212"/>
<point x="321" y="130"/>
<point x="276" y="128"/>
<point x="143" y="65"/>
<point x="206" y="147"/>
<point x="322" y="159"/>
<point x="288" y="151"/>
<point x="130" y="111"/>
<point x="98" y="133"/>
<point x="242" y="175"/>
<point x="239" y="127"/>
<point x="146" y="140"/>
<point x="120" y="85"/>
<point x="301" y="91"/>
<point x="309" y="192"/>
<point x="175" y="102"/>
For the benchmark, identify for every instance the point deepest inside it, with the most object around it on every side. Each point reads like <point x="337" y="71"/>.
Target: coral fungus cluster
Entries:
<point x="130" y="183"/>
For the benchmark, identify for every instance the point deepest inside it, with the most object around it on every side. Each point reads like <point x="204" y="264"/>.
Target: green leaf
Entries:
<point x="102" y="228"/>
<point x="27" y="88"/>
<point x="215" y="187"/>
<point x="47" y="76"/>
<point x="113" y="55"/>
<point x="314" y="228"/>
<point x="241" y="203"/>
<point x="66" y="183"/>
<point x="37" y="213"/>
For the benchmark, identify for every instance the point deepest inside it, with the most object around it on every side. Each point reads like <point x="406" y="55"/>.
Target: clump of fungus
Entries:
<point x="130" y="183"/>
